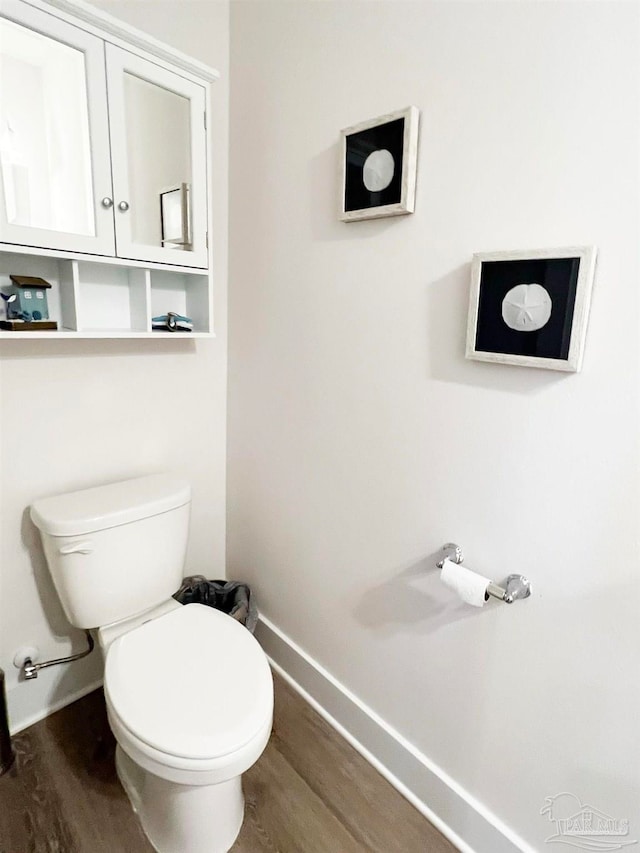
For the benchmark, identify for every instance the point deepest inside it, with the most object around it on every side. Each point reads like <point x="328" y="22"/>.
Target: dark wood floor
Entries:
<point x="310" y="792"/>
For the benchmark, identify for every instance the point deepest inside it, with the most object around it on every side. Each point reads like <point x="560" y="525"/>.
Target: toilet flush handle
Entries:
<point x="76" y="548"/>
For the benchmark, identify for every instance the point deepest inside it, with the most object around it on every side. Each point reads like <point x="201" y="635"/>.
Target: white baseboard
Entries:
<point x="34" y="718"/>
<point x="53" y="689"/>
<point x="469" y="825"/>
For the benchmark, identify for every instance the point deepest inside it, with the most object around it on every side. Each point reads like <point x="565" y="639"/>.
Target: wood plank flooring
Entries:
<point x="310" y="792"/>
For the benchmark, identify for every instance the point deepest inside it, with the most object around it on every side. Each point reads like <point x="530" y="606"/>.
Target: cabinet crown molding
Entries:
<point x="107" y="24"/>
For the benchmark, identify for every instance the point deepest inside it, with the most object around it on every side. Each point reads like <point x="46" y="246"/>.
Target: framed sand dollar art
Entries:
<point x="531" y="308"/>
<point x="379" y="166"/>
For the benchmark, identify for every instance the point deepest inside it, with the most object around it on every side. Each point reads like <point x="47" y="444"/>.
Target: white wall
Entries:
<point x="78" y="413"/>
<point x="361" y="440"/>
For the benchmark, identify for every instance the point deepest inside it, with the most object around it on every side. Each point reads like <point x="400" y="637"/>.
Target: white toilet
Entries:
<point x="189" y="691"/>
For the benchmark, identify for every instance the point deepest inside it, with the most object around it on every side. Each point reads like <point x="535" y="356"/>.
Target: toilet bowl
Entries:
<point x="189" y="698"/>
<point x="188" y="690"/>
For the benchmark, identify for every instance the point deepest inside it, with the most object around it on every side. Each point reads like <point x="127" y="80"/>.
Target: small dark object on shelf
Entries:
<point x="171" y="322"/>
<point x="27" y="326"/>
<point x="29" y="281"/>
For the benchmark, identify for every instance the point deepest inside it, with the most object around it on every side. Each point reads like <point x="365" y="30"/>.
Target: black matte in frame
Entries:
<point x="559" y="276"/>
<point x="358" y="147"/>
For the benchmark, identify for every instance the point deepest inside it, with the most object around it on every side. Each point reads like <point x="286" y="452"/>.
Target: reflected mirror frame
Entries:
<point x="175" y="206"/>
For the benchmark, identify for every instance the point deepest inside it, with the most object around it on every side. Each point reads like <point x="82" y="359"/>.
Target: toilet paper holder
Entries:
<point x="516" y="586"/>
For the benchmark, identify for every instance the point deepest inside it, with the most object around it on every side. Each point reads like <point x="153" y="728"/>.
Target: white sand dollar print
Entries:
<point x="378" y="169"/>
<point x="526" y="307"/>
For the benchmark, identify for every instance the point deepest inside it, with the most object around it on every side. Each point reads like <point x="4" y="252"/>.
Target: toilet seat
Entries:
<point x="185" y="771"/>
<point x="190" y="694"/>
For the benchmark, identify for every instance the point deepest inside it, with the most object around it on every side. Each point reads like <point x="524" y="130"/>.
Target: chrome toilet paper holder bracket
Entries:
<point x="515" y="586"/>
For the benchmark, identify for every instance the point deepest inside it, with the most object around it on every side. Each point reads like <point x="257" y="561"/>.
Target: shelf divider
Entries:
<point x="69" y="301"/>
<point x="140" y="280"/>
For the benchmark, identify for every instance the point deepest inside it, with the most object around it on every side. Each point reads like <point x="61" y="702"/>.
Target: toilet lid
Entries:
<point x="192" y="683"/>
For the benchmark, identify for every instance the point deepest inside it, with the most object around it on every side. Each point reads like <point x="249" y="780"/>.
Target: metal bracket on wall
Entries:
<point x="30" y="669"/>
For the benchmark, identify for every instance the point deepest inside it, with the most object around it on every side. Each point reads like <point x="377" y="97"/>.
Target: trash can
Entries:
<point x="6" y="751"/>
<point x="232" y="597"/>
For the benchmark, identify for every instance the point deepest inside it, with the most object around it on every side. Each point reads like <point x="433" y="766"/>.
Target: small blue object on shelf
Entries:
<point x="30" y="301"/>
<point x="172" y="322"/>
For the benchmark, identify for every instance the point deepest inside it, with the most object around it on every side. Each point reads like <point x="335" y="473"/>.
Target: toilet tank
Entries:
<point x="116" y="550"/>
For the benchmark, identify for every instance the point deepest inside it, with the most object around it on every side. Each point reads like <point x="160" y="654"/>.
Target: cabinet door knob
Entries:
<point x="123" y="206"/>
<point x="107" y="202"/>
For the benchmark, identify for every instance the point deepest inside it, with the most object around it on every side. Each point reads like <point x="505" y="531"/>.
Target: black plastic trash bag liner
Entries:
<point x="6" y="750"/>
<point x="232" y="597"/>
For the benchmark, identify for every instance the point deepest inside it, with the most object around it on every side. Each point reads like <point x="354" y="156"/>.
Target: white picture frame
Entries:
<point x="500" y="316"/>
<point x="390" y="138"/>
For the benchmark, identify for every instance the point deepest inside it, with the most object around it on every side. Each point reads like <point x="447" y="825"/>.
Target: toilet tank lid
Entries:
<point x="102" y="507"/>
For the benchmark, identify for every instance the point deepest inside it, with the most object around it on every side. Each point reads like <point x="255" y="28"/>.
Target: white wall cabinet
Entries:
<point x="104" y="169"/>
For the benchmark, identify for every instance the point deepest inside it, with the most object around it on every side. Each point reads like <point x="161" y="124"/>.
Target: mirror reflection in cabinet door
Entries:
<point x="45" y="156"/>
<point x="158" y="130"/>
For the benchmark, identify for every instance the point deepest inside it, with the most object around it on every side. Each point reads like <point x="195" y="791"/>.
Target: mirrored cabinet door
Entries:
<point x="55" y="176"/>
<point x="158" y="149"/>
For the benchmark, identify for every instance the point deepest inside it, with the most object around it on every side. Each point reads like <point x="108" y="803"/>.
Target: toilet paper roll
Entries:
<point x="471" y="587"/>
